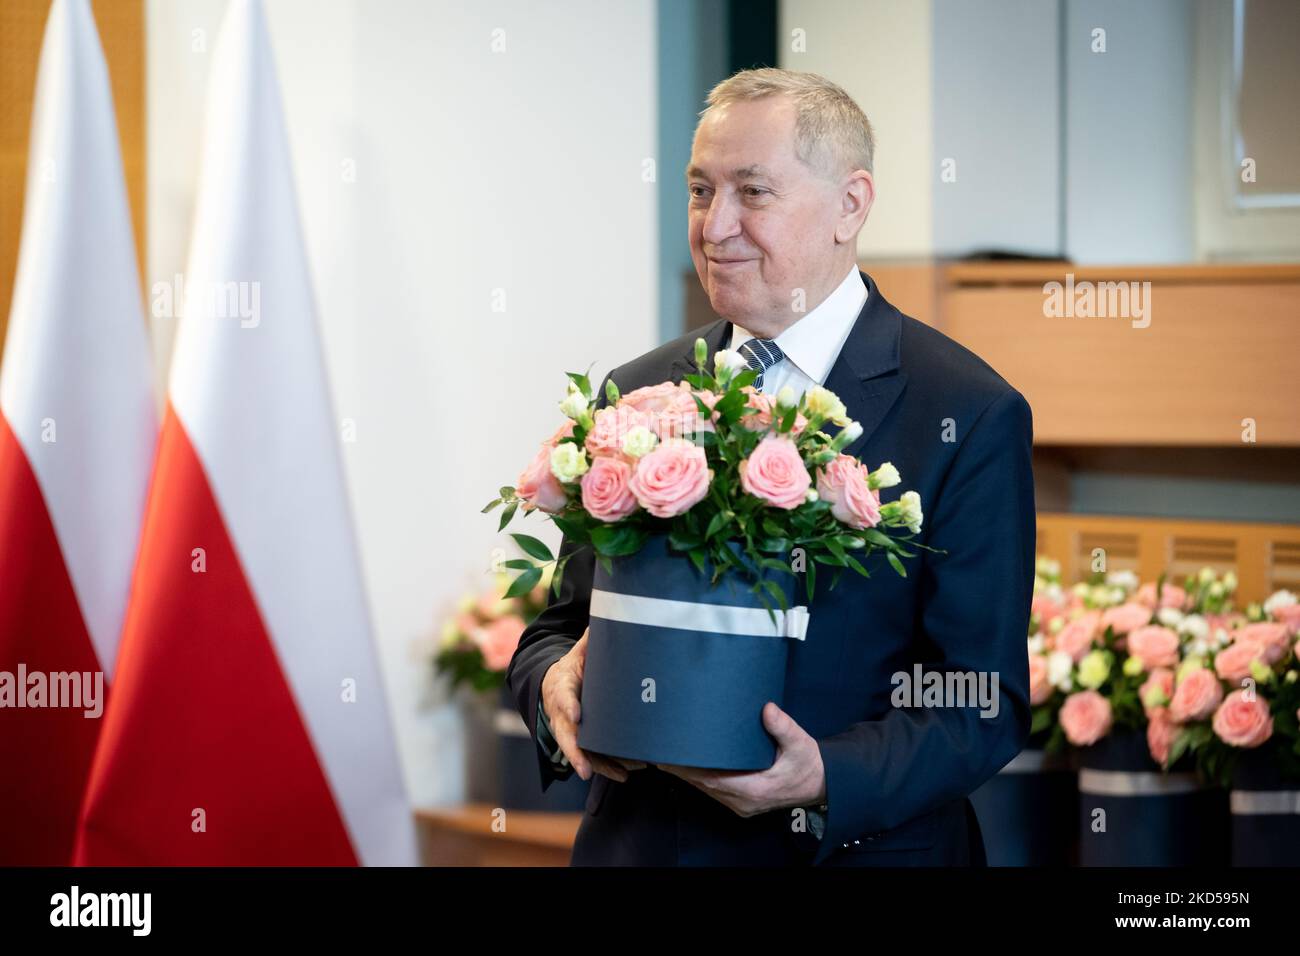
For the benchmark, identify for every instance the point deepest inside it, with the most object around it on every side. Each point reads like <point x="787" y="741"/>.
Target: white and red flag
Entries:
<point x="78" y="423"/>
<point x="249" y="722"/>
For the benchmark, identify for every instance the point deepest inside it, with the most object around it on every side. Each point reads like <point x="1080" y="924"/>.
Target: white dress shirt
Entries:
<point x="813" y="343"/>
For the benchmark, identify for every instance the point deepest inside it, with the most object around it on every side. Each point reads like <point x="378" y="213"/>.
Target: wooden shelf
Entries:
<point x="465" y="836"/>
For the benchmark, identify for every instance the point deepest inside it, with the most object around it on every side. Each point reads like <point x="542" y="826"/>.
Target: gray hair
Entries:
<point x="831" y="133"/>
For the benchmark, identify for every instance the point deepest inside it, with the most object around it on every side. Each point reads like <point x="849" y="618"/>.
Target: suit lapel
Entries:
<point x="866" y="374"/>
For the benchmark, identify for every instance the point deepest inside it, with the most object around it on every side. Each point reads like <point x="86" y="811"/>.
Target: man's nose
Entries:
<point x="721" y="222"/>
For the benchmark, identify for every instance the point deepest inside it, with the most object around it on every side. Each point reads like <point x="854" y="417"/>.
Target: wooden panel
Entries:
<point x="464" y="836"/>
<point x="912" y="287"/>
<point x="1265" y="557"/>
<point x="22" y="27"/>
<point x="1213" y="355"/>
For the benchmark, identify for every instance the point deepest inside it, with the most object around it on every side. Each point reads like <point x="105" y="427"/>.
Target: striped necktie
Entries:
<point x="760" y="355"/>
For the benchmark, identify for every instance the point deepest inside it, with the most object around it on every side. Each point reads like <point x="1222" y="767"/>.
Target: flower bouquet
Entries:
<point x="1108" y="664"/>
<point x="477" y="642"/>
<point x="1243" y="696"/>
<point x="704" y="502"/>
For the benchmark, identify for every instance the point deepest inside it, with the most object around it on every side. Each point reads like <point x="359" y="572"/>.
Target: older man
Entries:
<point x="780" y="183"/>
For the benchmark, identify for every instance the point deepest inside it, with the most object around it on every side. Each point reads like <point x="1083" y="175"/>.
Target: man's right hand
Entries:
<point x="561" y="687"/>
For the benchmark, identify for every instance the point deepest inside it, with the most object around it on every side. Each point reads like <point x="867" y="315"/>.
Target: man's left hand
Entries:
<point x="797" y="778"/>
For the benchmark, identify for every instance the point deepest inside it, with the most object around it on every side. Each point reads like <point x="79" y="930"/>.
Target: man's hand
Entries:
<point x="796" y="779"/>
<point x="561" y="686"/>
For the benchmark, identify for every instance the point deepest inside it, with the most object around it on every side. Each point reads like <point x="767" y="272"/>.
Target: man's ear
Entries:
<point x="856" y="197"/>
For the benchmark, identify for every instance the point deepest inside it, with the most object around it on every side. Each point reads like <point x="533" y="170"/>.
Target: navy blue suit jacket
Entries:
<point x="897" y="778"/>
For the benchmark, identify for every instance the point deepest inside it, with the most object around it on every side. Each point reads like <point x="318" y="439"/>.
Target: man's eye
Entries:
<point x="754" y="191"/>
<point x="697" y="192"/>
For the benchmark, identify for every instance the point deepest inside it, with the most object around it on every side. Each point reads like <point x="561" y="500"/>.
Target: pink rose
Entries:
<point x="609" y="427"/>
<point x="1271" y="635"/>
<point x="538" y="487"/>
<point x="1161" y="732"/>
<point x="1077" y="636"/>
<point x="1171" y="595"/>
<point x="1288" y="614"/>
<point x="1163" y="678"/>
<point x="1198" y="694"/>
<point x="1045" y="609"/>
<point x="1124" y="618"/>
<point x="1233" y="662"/>
<point x="564" y="431"/>
<point x="672" y="478"/>
<point x="1154" y="645"/>
<point x="653" y="398"/>
<point x="763" y="409"/>
<point x="606" y="491"/>
<point x="498" y="641"/>
<point x="1039" y="688"/>
<point x="1085" y="717"/>
<point x="1241" y="721"/>
<point x="775" y="472"/>
<point x="843" y="483"/>
<point x="682" y="417"/>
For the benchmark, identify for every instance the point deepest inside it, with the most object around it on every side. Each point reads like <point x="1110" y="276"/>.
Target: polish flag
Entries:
<point x="78" y="423"/>
<point x="249" y="724"/>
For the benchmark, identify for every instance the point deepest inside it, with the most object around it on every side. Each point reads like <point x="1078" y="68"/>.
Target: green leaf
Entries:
<point x="533" y="547"/>
<point x="719" y="521"/>
<point x="856" y="565"/>
<point x="896" y="564"/>
<point x="490" y="505"/>
<point x="810" y="580"/>
<point x="524" y="583"/>
<point x="617" y="540"/>
<point x="582" y="381"/>
<point x="697" y="558"/>
<point x="507" y="515"/>
<point x="519" y="564"/>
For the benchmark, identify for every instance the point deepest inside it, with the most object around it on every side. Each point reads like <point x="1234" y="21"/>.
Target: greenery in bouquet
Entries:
<point x="479" y="638"/>
<point x="711" y="462"/>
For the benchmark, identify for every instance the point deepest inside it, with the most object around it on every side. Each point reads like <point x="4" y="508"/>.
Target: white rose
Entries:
<point x="1194" y="625"/>
<point x="568" y="462"/>
<point x="1278" y="599"/>
<point x="639" y="441"/>
<point x="1169" y="616"/>
<point x="911" y="511"/>
<point x="1059" y="666"/>
<point x="574" y="404"/>
<point x="728" y="362"/>
<point x="886" y="476"/>
<point x="823" y="403"/>
<point x="786" y="399"/>
<point x="1036" y="644"/>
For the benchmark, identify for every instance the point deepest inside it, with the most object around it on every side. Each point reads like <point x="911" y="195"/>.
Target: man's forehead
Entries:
<point x="738" y="173"/>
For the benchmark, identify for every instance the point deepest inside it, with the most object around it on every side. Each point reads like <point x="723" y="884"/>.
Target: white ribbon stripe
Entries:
<point x="1264" y="802"/>
<point x="690" y="616"/>
<point x="1128" y="783"/>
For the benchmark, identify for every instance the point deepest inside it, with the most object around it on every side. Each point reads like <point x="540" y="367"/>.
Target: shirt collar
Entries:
<point x="814" y="342"/>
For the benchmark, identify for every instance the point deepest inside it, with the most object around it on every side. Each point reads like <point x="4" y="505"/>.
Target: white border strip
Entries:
<point x="1129" y="783"/>
<point x="690" y="616"/>
<point x="1264" y="802"/>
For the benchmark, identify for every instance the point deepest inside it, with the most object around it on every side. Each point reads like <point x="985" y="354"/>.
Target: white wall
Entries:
<point x="879" y="51"/>
<point x="432" y="171"/>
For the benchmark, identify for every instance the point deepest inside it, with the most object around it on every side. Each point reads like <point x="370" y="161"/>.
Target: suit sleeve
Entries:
<point x="974" y="609"/>
<point x="548" y="638"/>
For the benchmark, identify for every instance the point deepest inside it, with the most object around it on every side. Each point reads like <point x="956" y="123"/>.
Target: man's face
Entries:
<point x="762" y="224"/>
